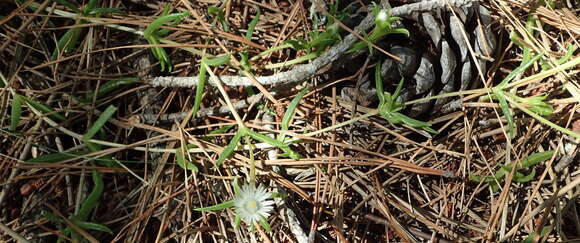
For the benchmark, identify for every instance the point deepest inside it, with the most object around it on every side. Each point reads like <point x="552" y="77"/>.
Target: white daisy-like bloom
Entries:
<point x="252" y="204"/>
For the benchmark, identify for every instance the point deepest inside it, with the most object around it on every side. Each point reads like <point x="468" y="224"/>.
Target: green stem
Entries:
<point x="570" y="64"/>
<point x="458" y="93"/>
<point x="292" y="62"/>
<point x="266" y="52"/>
<point x="541" y="119"/>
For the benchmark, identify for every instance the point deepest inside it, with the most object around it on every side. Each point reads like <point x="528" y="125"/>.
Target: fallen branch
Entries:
<point x="149" y="118"/>
<point x="306" y="71"/>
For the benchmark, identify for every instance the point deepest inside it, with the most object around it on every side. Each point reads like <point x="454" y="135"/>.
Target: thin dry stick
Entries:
<point x="12" y="233"/>
<point x="242" y="104"/>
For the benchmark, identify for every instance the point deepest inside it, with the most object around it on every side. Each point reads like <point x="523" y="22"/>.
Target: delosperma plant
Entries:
<point x="399" y="121"/>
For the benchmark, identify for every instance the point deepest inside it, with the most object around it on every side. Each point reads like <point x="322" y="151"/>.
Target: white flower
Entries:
<point x="252" y="204"/>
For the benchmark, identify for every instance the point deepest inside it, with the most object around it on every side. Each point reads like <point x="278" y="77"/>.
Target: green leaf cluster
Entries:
<point x="153" y="33"/>
<point x="279" y="142"/>
<point x="68" y="42"/>
<point x="220" y="16"/>
<point x="384" y="25"/>
<point x="321" y="40"/>
<point x="244" y="131"/>
<point x="535" y="104"/>
<point x="389" y="107"/>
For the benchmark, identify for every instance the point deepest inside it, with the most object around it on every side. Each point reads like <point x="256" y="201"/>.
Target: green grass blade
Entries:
<point x="266" y="139"/>
<point x="536" y="158"/>
<point x="401" y="31"/>
<point x="220" y="16"/>
<point x="81" y="224"/>
<point x="16" y="112"/>
<point x="523" y="67"/>
<point x="93" y="198"/>
<point x="290" y="112"/>
<point x="90" y="6"/>
<point x="156" y="24"/>
<point x="413" y="122"/>
<point x="183" y="162"/>
<point x="279" y="195"/>
<point x="507" y="112"/>
<point x="237" y="221"/>
<point x="276" y="143"/>
<point x="217" y="131"/>
<point x="265" y="225"/>
<point x="236" y="186"/>
<point x="545" y="121"/>
<point x="163" y="32"/>
<point x="253" y="25"/>
<point x="526" y="178"/>
<point x="290" y="153"/>
<point x="111" y="86"/>
<point x="214" y="10"/>
<point x="216" y="207"/>
<point x="103" y="118"/>
<point x="515" y="38"/>
<point x="67" y="42"/>
<point x="397" y="91"/>
<point x="218" y="61"/>
<point x="101" y="11"/>
<point x="538" y="105"/>
<point x="166" y="9"/>
<point x="367" y="38"/>
<point x="298" y="44"/>
<point x="530" y="25"/>
<point x="379" y="84"/>
<point x="92" y="226"/>
<point x="475" y="178"/>
<point x="224" y="22"/>
<point x="159" y="53"/>
<point x="230" y="148"/>
<point x="245" y="60"/>
<point x="202" y="78"/>
<point x="152" y="32"/>
<point x="51" y="217"/>
<point x="569" y="54"/>
<point x="153" y="40"/>
<point x="62" y="156"/>
<point x="199" y="88"/>
<point x="44" y="109"/>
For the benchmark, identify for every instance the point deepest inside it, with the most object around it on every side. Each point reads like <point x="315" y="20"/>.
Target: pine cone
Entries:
<point x="436" y="59"/>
